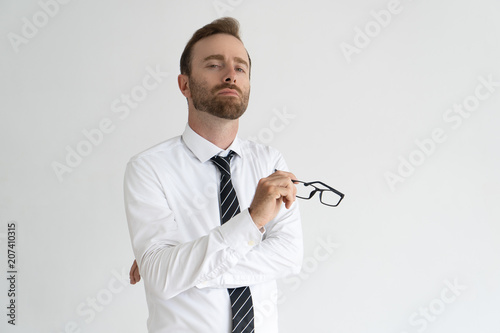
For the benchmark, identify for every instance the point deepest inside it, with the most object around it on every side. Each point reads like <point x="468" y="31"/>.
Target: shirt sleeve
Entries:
<point x="280" y="253"/>
<point x="166" y="265"/>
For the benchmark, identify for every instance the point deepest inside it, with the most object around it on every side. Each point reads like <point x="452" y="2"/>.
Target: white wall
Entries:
<point x="417" y="253"/>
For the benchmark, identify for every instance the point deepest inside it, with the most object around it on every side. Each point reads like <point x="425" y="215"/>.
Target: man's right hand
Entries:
<point x="134" y="273"/>
<point x="271" y="192"/>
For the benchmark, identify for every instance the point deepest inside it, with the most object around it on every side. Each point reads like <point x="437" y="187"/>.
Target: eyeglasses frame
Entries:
<point x="320" y="190"/>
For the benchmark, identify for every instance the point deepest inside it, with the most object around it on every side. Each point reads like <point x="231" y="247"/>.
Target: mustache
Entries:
<point x="226" y="86"/>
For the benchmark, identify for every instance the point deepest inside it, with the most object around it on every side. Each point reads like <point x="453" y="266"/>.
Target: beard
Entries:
<point x="226" y="107"/>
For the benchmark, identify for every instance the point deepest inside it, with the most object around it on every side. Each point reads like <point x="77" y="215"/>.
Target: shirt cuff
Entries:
<point x="240" y="233"/>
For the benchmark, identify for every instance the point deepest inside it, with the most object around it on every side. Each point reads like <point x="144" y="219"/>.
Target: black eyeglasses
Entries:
<point x="327" y="195"/>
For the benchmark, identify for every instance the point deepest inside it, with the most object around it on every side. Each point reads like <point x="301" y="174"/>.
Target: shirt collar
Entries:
<point x="204" y="149"/>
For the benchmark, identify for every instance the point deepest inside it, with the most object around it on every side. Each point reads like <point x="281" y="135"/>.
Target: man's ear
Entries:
<point x="183" y="81"/>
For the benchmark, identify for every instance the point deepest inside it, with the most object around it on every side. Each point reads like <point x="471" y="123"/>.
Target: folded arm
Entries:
<point x="230" y="255"/>
<point x="166" y="265"/>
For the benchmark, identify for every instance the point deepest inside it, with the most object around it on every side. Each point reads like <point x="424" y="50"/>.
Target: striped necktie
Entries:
<point x="241" y="298"/>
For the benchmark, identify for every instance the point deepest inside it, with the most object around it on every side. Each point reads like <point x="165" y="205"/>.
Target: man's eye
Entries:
<point x="241" y="70"/>
<point x="214" y="66"/>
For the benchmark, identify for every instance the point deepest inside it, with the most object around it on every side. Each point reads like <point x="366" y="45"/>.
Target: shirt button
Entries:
<point x="251" y="243"/>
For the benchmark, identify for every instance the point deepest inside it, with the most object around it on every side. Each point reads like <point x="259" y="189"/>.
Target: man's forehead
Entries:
<point x="220" y="44"/>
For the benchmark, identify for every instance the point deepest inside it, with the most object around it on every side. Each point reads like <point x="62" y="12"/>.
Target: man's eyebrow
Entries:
<point x="241" y="61"/>
<point x="215" y="57"/>
<point x="221" y="57"/>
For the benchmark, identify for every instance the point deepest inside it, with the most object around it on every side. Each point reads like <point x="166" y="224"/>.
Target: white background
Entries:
<point x="394" y="250"/>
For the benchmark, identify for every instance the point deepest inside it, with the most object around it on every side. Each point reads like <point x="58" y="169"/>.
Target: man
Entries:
<point x="212" y="223"/>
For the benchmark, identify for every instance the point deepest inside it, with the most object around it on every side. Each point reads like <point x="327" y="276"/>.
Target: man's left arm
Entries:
<point x="278" y="255"/>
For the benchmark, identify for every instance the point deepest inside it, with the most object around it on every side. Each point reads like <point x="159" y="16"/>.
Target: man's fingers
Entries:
<point x="131" y="274"/>
<point x="279" y="173"/>
<point x="271" y="192"/>
<point x="134" y="273"/>
<point x="137" y="276"/>
<point x="284" y="186"/>
<point x="287" y="193"/>
<point x="282" y="178"/>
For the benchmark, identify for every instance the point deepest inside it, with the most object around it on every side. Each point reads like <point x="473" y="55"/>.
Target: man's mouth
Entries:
<point x="228" y="92"/>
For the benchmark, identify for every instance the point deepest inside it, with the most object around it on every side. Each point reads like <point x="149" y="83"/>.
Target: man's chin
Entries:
<point x="227" y="112"/>
<point x="228" y="115"/>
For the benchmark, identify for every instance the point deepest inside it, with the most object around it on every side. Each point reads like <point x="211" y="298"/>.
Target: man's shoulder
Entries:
<point x="166" y="147"/>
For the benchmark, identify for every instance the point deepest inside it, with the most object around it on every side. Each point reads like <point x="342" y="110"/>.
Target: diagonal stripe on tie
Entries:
<point x="231" y="208"/>
<point x="224" y="186"/>
<point x="241" y="298"/>
<point x="241" y="306"/>
<point x="228" y="198"/>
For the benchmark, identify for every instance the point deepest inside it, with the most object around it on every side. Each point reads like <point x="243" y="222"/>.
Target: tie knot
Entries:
<point x="223" y="163"/>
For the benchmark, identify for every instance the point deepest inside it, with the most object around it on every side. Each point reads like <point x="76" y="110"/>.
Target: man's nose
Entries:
<point x="230" y="76"/>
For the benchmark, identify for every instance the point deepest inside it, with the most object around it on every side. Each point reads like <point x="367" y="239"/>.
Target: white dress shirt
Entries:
<point x="186" y="257"/>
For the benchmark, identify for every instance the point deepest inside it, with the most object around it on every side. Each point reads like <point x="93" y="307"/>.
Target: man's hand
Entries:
<point x="134" y="273"/>
<point x="271" y="192"/>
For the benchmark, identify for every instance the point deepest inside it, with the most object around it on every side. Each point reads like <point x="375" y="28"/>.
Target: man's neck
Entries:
<point x="220" y="132"/>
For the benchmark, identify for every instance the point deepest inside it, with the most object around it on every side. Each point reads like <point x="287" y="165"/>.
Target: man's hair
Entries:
<point x="224" y="25"/>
